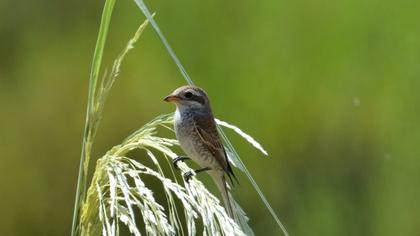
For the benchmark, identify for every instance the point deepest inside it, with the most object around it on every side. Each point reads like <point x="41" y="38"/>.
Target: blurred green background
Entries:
<point x="330" y="88"/>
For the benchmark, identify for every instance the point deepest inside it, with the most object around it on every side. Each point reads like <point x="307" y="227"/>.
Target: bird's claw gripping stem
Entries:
<point x="189" y="174"/>
<point x="177" y="159"/>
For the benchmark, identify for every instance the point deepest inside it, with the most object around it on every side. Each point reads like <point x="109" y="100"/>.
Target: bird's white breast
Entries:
<point x="184" y="133"/>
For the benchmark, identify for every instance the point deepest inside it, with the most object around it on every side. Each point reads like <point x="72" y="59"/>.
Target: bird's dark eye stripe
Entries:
<point x="199" y="99"/>
<point x="191" y="96"/>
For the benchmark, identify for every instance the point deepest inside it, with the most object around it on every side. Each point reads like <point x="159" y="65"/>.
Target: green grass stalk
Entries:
<point x="90" y="126"/>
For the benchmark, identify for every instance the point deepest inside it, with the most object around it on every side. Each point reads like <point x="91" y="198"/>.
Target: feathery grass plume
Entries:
<point x="117" y="193"/>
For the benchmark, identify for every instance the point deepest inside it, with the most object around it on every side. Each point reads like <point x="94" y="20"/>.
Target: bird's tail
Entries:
<point x="219" y="179"/>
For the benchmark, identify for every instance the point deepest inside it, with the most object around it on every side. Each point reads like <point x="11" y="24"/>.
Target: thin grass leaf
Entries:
<point x="171" y="52"/>
<point x="247" y="137"/>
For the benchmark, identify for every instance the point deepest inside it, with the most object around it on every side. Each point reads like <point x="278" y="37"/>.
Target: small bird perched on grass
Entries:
<point x="196" y="131"/>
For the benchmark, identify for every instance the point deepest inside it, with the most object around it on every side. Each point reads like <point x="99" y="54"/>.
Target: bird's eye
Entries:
<point x="188" y="95"/>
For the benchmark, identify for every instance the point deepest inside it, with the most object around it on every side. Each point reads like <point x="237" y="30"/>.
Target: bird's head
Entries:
<point x="188" y="97"/>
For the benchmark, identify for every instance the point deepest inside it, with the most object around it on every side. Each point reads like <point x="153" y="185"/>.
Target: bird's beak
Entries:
<point x="172" y="98"/>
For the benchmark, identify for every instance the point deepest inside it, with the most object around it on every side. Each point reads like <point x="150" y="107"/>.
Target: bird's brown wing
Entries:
<point x="210" y="137"/>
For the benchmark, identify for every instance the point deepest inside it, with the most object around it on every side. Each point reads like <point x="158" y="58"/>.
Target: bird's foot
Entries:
<point x="188" y="175"/>
<point x="177" y="159"/>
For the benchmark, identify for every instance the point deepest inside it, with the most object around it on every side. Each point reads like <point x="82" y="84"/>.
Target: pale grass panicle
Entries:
<point x="117" y="193"/>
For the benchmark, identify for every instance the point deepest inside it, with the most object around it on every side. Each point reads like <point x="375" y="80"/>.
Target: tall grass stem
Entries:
<point x="89" y="130"/>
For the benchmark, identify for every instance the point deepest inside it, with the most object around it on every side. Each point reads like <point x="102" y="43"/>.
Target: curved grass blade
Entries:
<point x="247" y="137"/>
<point x="171" y="52"/>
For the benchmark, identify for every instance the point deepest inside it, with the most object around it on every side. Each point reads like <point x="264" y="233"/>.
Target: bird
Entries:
<point x="196" y="131"/>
